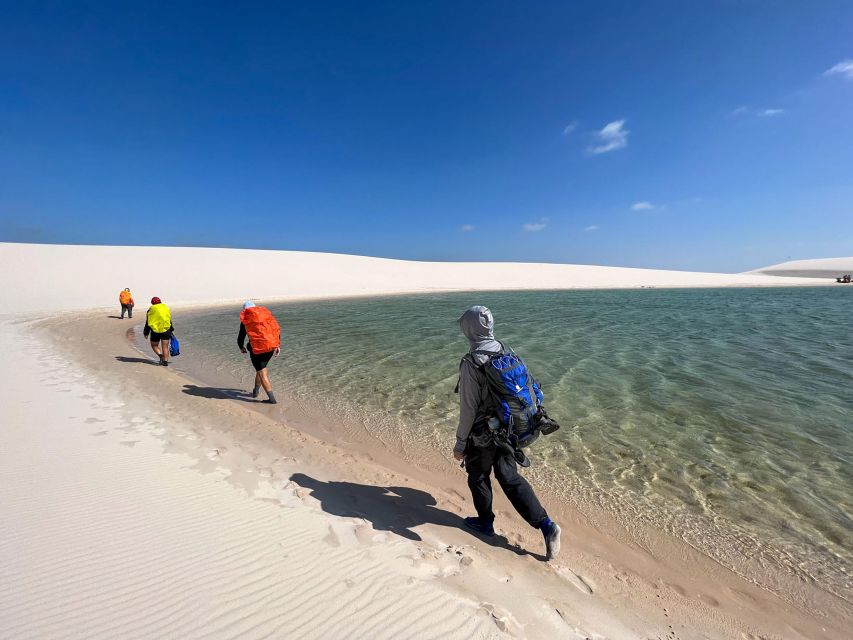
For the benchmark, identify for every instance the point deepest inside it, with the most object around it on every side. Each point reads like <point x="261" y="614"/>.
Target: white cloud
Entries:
<point x="642" y="206"/>
<point x="467" y="227"/>
<point x="569" y="128"/>
<point x="764" y="113"/>
<point x="536" y="226"/>
<point x="592" y="227"/>
<point x="613" y="136"/>
<point x="843" y="68"/>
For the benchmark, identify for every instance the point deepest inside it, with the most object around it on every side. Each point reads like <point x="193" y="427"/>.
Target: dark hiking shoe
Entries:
<point x="255" y="392"/>
<point x="165" y="363"/>
<point x="480" y="526"/>
<point x="552" y="540"/>
<point x="271" y="399"/>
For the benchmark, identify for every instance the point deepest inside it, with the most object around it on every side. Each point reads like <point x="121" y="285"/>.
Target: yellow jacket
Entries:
<point x="159" y="318"/>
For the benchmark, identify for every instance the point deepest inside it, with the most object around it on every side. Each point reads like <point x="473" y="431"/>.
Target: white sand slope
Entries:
<point x="825" y="268"/>
<point x="62" y="277"/>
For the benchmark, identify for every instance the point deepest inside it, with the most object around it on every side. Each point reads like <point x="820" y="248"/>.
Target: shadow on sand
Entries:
<point x="394" y="509"/>
<point x="218" y="393"/>
<point x="137" y="360"/>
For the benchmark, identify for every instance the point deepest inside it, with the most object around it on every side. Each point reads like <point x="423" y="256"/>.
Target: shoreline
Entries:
<point x="651" y="587"/>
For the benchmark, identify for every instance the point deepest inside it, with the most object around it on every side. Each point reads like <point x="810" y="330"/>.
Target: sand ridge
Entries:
<point x="58" y="278"/>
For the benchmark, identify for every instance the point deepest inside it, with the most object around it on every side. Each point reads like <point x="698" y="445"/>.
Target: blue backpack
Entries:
<point x="516" y="397"/>
<point x="174" y="346"/>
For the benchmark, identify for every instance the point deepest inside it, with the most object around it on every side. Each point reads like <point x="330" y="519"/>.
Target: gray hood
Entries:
<point x="478" y="326"/>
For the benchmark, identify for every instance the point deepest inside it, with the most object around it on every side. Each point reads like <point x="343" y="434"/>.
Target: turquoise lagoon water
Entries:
<point x="723" y="417"/>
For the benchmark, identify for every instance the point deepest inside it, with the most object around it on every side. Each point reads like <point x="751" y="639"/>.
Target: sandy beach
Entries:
<point x="132" y="508"/>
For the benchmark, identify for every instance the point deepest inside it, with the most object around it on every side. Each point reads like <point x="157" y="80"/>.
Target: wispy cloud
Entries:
<point x="843" y="68"/>
<point x="642" y="206"/>
<point x="569" y="128"/>
<point x="763" y="113"/>
<point x="536" y="226"/>
<point x="612" y="136"/>
<point x="467" y="227"/>
<point x="592" y="227"/>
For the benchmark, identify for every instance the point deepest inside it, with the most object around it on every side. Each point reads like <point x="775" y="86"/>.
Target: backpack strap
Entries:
<point x="479" y="352"/>
<point x="465" y="358"/>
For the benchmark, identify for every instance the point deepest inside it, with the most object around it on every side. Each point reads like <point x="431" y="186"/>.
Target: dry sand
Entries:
<point x="63" y="277"/>
<point x="824" y="268"/>
<point x="131" y="509"/>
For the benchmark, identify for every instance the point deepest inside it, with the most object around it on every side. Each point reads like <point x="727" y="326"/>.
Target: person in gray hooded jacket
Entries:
<point x="477" y="325"/>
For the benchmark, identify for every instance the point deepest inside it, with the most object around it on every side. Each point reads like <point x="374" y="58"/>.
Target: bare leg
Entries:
<point x="164" y="350"/>
<point x="264" y="378"/>
<point x="155" y="346"/>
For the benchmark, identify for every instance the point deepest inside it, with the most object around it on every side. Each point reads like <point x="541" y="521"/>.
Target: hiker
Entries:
<point x="479" y="453"/>
<point x="259" y="325"/>
<point x="125" y="299"/>
<point x="158" y="322"/>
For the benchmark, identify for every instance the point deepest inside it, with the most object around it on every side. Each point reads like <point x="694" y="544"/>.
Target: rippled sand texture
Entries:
<point x="724" y="417"/>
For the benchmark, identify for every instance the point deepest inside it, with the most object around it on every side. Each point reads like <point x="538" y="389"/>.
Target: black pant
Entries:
<point x="128" y="308"/>
<point x="479" y="462"/>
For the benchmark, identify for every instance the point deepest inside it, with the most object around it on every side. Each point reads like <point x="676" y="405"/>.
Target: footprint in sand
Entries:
<point x="129" y="443"/>
<point x="702" y="597"/>
<point x="579" y="583"/>
<point x="500" y="617"/>
<point x="332" y="538"/>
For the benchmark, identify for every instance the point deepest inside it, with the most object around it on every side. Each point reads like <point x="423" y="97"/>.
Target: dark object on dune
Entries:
<point x="843" y="279"/>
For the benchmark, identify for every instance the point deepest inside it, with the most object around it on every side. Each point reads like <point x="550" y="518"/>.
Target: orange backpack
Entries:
<point x="262" y="329"/>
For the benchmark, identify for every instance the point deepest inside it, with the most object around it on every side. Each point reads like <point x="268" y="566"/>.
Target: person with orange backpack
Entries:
<point x="125" y="299"/>
<point x="259" y="325"/>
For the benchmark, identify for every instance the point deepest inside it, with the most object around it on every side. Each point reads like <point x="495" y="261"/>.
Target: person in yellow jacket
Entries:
<point x="125" y="299"/>
<point x="158" y="323"/>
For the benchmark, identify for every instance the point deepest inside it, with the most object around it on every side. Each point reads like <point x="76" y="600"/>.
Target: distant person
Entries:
<point x="125" y="299"/>
<point x="259" y="325"/>
<point x="158" y="323"/>
<point x="475" y="410"/>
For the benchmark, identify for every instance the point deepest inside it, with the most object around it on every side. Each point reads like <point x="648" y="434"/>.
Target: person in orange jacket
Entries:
<point x="126" y="302"/>
<point x="259" y="325"/>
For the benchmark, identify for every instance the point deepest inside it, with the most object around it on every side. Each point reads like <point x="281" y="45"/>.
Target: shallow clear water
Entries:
<point x="724" y="417"/>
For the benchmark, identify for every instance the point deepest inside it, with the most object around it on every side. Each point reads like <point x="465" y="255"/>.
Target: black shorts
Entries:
<point x="261" y="360"/>
<point x="157" y="337"/>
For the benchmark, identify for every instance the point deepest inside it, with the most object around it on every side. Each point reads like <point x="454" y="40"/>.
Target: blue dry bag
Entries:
<point x="174" y="347"/>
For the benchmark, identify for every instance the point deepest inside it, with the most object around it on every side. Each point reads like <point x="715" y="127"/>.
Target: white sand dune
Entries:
<point x="65" y="277"/>
<point x="825" y="268"/>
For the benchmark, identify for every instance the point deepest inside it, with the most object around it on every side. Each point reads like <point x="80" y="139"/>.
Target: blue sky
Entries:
<point x="713" y="136"/>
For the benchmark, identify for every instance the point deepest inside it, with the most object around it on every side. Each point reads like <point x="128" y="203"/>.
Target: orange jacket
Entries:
<point x="261" y="328"/>
<point x="125" y="298"/>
